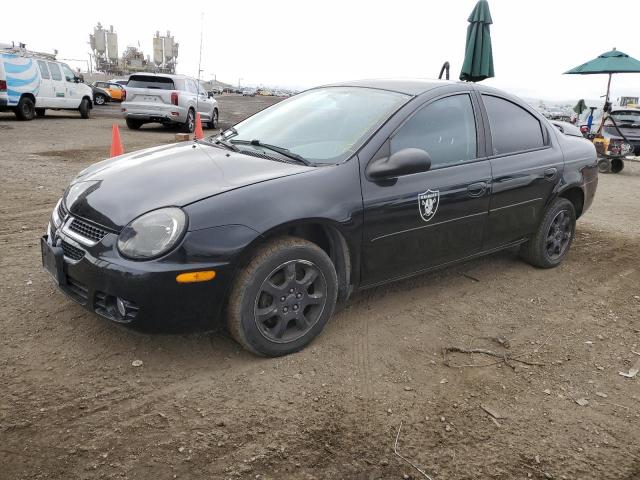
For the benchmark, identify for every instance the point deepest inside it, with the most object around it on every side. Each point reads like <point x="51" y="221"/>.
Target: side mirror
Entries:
<point x="403" y="162"/>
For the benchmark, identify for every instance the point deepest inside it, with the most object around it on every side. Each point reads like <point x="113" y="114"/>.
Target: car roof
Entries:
<point x="406" y="86"/>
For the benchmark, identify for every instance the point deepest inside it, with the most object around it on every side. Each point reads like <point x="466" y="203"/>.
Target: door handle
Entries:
<point x="550" y="173"/>
<point x="477" y="189"/>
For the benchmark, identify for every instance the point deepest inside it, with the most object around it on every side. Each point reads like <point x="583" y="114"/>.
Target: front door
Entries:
<point x="418" y="221"/>
<point x="74" y="94"/>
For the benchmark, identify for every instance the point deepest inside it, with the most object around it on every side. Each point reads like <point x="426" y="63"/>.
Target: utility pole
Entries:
<point x="200" y="58"/>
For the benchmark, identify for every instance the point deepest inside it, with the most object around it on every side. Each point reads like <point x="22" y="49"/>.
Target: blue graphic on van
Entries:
<point x="22" y="76"/>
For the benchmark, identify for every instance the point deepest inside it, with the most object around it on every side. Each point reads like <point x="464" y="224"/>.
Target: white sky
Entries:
<point x="305" y="43"/>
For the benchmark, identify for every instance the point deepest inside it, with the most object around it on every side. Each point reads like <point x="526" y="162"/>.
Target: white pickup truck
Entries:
<point x="168" y="99"/>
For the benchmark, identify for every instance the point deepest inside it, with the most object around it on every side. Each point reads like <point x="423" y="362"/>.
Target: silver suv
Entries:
<point x="168" y="99"/>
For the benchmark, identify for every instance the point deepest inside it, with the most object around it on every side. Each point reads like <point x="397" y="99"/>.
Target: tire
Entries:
<point x="552" y="241"/>
<point x="604" y="165"/>
<point x="85" y="108"/>
<point x="214" y="119"/>
<point x="292" y="314"/>
<point x="40" y="112"/>
<point x="133" y="124"/>
<point x="190" y="124"/>
<point x="26" y="109"/>
<point x="99" y="99"/>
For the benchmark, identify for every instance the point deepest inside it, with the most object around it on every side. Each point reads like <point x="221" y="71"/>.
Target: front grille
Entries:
<point x="72" y="252"/>
<point x="87" y="230"/>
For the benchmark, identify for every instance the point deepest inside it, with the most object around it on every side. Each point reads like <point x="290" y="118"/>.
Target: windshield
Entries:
<point x="627" y="116"/>
<point x="324" y="125"/>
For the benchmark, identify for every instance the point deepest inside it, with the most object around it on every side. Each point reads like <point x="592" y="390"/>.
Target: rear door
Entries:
<point x="150" y="90"/>
<point x="527" y="166"/>
<point x="422" y="220"/>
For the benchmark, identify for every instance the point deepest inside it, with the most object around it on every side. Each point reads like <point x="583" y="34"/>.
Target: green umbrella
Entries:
<point x="478" y="55"/>
<point x="580" y="107"/>
<point x="611" y="62"/>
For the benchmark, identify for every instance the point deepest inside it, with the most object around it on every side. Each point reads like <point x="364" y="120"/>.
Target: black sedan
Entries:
<point x="100" y="95"/>
<point x="337" y="189"/>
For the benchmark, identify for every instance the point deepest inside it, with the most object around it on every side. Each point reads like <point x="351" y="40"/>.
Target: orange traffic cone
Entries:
<point x="198" y="133"/>
<point x="116" y="145"/>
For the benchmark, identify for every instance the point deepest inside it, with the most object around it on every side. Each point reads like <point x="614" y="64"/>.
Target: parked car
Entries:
<point x="31" y="82"/>
<point x="116" y="90"/>
<point x="100" y="95"/>
<point x="337" y="189"/>
<point x="628" y="125"/>
<point x="247" y="92"/>
<point x="168" y="99"/>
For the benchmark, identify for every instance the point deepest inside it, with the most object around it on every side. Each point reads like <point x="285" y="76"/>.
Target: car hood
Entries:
<point x="114" y="192"/>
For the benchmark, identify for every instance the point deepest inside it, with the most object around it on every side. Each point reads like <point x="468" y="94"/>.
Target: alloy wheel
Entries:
<point x="290" y="301"/>
<point x="559" y="235"/>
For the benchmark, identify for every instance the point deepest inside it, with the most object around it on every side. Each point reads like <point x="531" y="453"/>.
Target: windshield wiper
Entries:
<point x="281" y="150"/>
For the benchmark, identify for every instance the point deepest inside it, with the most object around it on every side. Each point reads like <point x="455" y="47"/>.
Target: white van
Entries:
<point x="31" y="82"/>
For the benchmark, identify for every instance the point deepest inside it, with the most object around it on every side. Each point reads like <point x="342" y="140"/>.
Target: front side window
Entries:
<point x="324" y="125"/>
<point x="55" y="71"/>
<point x="68" y="74"/>
<point x="513" y="129"/>
<point x="44" y="71"/>
<point x="446" y="129"/>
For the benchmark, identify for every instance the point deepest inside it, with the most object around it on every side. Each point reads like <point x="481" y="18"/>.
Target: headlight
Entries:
<point x="55" y="216"/>
<point x="152" y="234"/>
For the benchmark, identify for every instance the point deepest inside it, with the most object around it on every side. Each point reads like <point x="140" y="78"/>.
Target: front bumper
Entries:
<point x="97" y="276"/>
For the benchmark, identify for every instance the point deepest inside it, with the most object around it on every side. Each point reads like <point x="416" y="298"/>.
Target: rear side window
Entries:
<point x="513" y="129"/>
<point x="55" y="71"/>
<point x="44" y="71"/>
<point x="144" y="81"/>
<point x="445" y="128"/>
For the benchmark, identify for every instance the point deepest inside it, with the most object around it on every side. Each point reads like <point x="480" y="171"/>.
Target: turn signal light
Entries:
<point x="192" y="277"/>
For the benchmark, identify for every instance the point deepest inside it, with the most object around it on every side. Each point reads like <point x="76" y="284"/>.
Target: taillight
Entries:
<point x="3" y="86"/>
<point x="584" y="129"/>
<point x="174" y="98"/>
<point x="124" y="94"/>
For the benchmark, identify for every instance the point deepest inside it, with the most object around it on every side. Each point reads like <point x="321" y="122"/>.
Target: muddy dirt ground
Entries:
<point x="72" y="406"/>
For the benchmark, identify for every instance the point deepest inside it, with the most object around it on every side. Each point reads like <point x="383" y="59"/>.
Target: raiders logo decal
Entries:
<point x="428" y="204"/>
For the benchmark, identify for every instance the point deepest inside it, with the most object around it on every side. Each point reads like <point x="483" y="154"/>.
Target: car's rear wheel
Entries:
<point x="283" y="298"/>
<point x="99" y="99"/>
<point x="133" y="124"/>
<point x="551" y="242"/>
<point x="190" y="124"/>
<point x="85" y="108"/>
<point x="26" y="109"/>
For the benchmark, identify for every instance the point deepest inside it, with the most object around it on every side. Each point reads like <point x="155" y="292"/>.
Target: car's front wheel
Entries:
<point x="283" y="298"/>
<point x="213" y="123"/>
<point x="551" y="242"/>
<point x="85" y="108"/>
